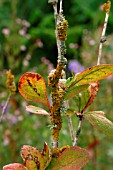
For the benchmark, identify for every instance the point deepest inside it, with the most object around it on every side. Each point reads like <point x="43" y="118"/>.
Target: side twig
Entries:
<point x="106" y="7"/>
<point x="5" y="107"/>
<point x="71" y="128"/>
<point x="11" y="87"/>
<point x="78" y="132"/>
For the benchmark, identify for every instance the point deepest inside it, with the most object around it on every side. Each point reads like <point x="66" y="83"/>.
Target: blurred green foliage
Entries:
<point x="26" y="38"/>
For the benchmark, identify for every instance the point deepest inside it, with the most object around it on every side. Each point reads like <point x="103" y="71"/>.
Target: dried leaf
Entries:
<point x="36" y="110"/>
<point x="14" y="166"/>
<point x="32" y="87"/>
<point x="73" y="158"/>
<point x="93" y="74"/>
<point x="75" y="90"/>
<point x="93" y="89"/>
<point x="100" y="122"/>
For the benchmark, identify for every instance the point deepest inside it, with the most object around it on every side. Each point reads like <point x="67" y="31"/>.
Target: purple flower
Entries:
<point x="75" y="66"/>
<point x="23" y="48"/>
<point x="7" y="108"/>
<point x="6" y="31"/>
<point x="13" y="118"/>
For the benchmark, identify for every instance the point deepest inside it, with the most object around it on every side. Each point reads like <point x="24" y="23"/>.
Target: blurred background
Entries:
<point x="27" y="43"/>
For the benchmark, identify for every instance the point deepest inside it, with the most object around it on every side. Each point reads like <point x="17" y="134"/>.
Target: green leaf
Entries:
<point x="93" y="74"/>
<point x="32" y="87"/>
<point x="81" y="100"/>
<point x="75" y="90"/>
<point x="14" y="166"/>
<point x="36" y="110"/>
<point x="70" y="111"/>
<point x="73" y="158"/>
<point x="70" y="79"/>
<point x="100" y="122"/>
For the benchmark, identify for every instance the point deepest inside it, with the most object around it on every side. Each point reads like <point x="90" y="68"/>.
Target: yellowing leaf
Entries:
<point x="93" y="74"/>
<point x="14" y="166"/>
<point x="36" y="110"/>
<point x="32" y="87"/>
<point x="75" y="90"/>
<point x="100" y="122"/>
<point x="46" y="153"/>
<point x="33" y="159"/>
<point x="73" y="158"/>
<point x="31" y="165"/>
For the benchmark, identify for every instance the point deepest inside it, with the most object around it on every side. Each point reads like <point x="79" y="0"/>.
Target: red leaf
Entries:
<point x="14" y="166"/>
<point x="93" y="144"/>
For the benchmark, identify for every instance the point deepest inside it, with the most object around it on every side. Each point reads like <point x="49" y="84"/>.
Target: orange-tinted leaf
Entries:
<point x="14" y="166"/>
<point x="32" y="87"/>
<point x="75" y="90"/>
<point x="73" y="158"/>
<point x="46" y="153"/>
<point x="36" y="110"/>
<point x="93" y="89"/>
<point x="32" y="158"/>
<point x="100" y="122"/>
<point x="93" y="74"/>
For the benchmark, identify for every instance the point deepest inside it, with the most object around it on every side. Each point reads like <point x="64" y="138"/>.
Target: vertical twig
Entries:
<point x="106" y="8"/>
<point x="102" y="40"/>
<point x="5" y="107"/>
<point x="53" y="79"/>
<point x="55" y="12"/>
<point x="61" y="9"/>
<point x="78" y="132"/>
<point x="70" y="123"/>
<point x="71" y="128"/>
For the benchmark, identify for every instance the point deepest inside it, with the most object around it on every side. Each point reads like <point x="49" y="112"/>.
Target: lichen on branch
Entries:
<point x="57" y="93"/>
<point x="57" y="96"/>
